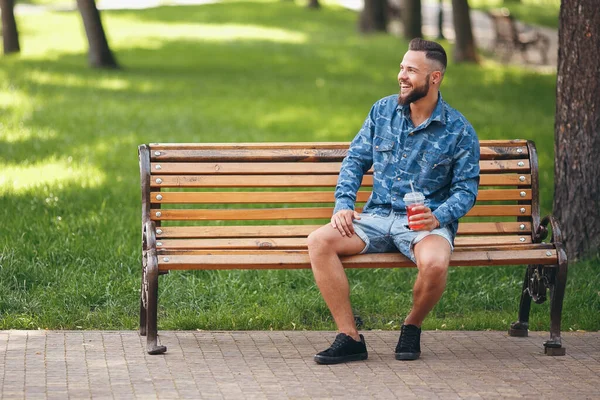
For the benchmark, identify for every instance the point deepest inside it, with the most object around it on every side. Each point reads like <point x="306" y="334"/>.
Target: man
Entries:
<point x="413" y="138"/>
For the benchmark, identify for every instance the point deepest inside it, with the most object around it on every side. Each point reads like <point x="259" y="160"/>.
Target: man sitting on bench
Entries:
<point x="411" y="137"/>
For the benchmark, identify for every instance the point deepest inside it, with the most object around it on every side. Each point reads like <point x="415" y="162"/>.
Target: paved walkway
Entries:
<point x="279" y="365"/>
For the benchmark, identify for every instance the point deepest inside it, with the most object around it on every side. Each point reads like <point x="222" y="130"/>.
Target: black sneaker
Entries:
<point x="343" y="349"/>
<point x="409" y="344"/>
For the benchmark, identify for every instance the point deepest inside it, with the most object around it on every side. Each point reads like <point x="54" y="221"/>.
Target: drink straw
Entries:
<point x="411" y="186"/>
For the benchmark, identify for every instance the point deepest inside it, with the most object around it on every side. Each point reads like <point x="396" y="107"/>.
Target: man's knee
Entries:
<point x="319" y="241"/>
<point x="327" y="239"/>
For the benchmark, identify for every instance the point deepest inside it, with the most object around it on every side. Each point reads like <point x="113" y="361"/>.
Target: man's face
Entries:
<point x="413" y="77"/>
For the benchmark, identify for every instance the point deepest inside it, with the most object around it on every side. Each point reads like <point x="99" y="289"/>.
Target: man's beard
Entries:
<point x="415" y="94"/>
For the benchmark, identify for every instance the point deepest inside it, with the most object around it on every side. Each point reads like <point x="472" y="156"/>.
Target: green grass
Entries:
<point x="235" y="72"/>
<point x="533" y="12"/>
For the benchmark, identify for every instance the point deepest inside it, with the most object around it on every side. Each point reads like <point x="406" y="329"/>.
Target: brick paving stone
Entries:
<point x="279" y="365"/>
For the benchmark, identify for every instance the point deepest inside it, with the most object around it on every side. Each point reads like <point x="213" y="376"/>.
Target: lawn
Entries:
<point x="230" y="72"/>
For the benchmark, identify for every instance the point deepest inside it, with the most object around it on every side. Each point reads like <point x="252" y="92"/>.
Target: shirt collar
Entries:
<point x="438" y="114"/>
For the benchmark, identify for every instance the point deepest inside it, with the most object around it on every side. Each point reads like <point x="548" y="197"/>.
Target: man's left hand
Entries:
<point x="423" y="219"/>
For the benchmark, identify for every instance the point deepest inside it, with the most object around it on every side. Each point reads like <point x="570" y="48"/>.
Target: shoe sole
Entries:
<point x="338" y="360"/>
<point x="407" y="356"/>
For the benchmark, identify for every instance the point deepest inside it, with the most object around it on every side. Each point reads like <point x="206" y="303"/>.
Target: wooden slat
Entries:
<point x="268" y="145"/>
<point x="251" y="154"/>
<point x="301" y="243"/>
<point x="503" y="153"/>
<point x="257" y="181"/>
<point x="285" y="231"/>
<point x="301" y="145"/>
<point x="248" y="197"/>
<point x="306" y="213"/>
<point x="278" y="168"/>
<point x="299" y="197"/>
<point x="499" y="166"/>
<point x="298" y="154"/>
<point x="284" y="252"/>
<point x="385" y="260"/>
<point x="250" y="181"/>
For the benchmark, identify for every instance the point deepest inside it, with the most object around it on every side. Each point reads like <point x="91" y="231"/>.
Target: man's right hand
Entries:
<point x="342" y="221"/>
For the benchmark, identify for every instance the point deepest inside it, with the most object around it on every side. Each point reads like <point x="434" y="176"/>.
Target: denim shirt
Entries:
<point x="440" y="156"/>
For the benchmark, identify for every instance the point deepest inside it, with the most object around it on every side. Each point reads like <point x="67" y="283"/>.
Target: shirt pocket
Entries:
<point x="435" y="170"/>
<point x="382" y="154"/>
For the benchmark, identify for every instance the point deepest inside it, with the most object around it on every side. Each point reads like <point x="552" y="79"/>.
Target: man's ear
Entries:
<point x="436" y="77"/>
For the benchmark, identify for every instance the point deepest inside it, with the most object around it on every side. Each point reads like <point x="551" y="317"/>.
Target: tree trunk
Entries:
<point x="99" y="53"/>
<point x="10" y="34"/>
<point x="314" y="4"/>
<point x="373" y="17"/>
<point x="577" y="127"/>
<point x="412" y="19"/>
<point x="441" y="20"/>
<point x="464" y="48"/>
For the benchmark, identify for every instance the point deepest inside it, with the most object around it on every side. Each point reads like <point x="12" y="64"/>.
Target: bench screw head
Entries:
<point x="522" y="227"/>
<point x="520" y="239"/>
<point x="159" y="181"/>
<point x="166" y="259"/>
<point x="522" y="178"/>
<point x="158" y="166"/>
<point x="158" y="213"/>
<point x="548" y="253"/>
<point x="157" y="153"/>
<point x="159" y="243"/>
<point x="159" y="196"/>
<point x="519" y="150"/>
<point x="159" y="231"/>
<point x="523" y="194"/>
<point x="522" y="210"/>
<point x="521" y="164"/>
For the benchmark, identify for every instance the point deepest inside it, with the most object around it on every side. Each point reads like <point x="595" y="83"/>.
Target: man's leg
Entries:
<point x="325" y="245"/>
<point x="433" y="258"/>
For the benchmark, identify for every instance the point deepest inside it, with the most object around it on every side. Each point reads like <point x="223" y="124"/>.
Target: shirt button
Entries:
<point x="404" y="155"/>
<point x="376" y="147"/>
<point x="393" y="198"/>
<point x="398" y="179"/>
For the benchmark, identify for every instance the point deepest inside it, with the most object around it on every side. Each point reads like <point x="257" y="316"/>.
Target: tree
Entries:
<point x="464" y="49"/>
<point x="412" y="19"/>
<point x="314" y="4"/>
<point x="577" y="127"/>
<point x="373" y="17"/>
<point x="10" y="34"/>
<point x="99" y="53"/>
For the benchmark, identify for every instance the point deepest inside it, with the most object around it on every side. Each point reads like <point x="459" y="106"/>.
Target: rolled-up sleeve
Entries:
<point x="465" y="180"/>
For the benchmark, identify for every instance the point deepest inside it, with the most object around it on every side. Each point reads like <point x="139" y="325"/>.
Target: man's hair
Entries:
<point x="433" y="51"/>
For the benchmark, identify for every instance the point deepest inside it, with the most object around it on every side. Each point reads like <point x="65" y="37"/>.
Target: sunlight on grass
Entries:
<point x="107" y="82"/>
<point x="23" y="134"/>
<point x="205" y="32"/>
<point x="16" y="179"/>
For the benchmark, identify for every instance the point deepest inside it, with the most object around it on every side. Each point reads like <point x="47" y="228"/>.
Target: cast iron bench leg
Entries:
<point x="152" y="302"/>
<point x="521" y="327"/>
<point x="143" y="310"/>
<point x="553" y="347"/>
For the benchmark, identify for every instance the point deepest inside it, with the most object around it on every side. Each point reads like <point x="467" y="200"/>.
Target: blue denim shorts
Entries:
<point x="386" y="234"/>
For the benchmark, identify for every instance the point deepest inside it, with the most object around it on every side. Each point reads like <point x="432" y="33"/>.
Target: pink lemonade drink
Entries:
<point x="412" y="200"/>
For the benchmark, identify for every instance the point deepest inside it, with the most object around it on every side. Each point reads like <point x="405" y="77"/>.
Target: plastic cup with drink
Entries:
<point x="412" y="200"/>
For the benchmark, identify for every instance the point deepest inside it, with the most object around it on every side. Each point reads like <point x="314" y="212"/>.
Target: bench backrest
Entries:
<point x="219" y="194"/>
<point x="504" y="25"/>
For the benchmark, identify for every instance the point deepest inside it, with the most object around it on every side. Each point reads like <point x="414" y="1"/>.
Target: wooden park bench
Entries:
<point x="509" y="38"/>
<point x="251" y="206"/>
